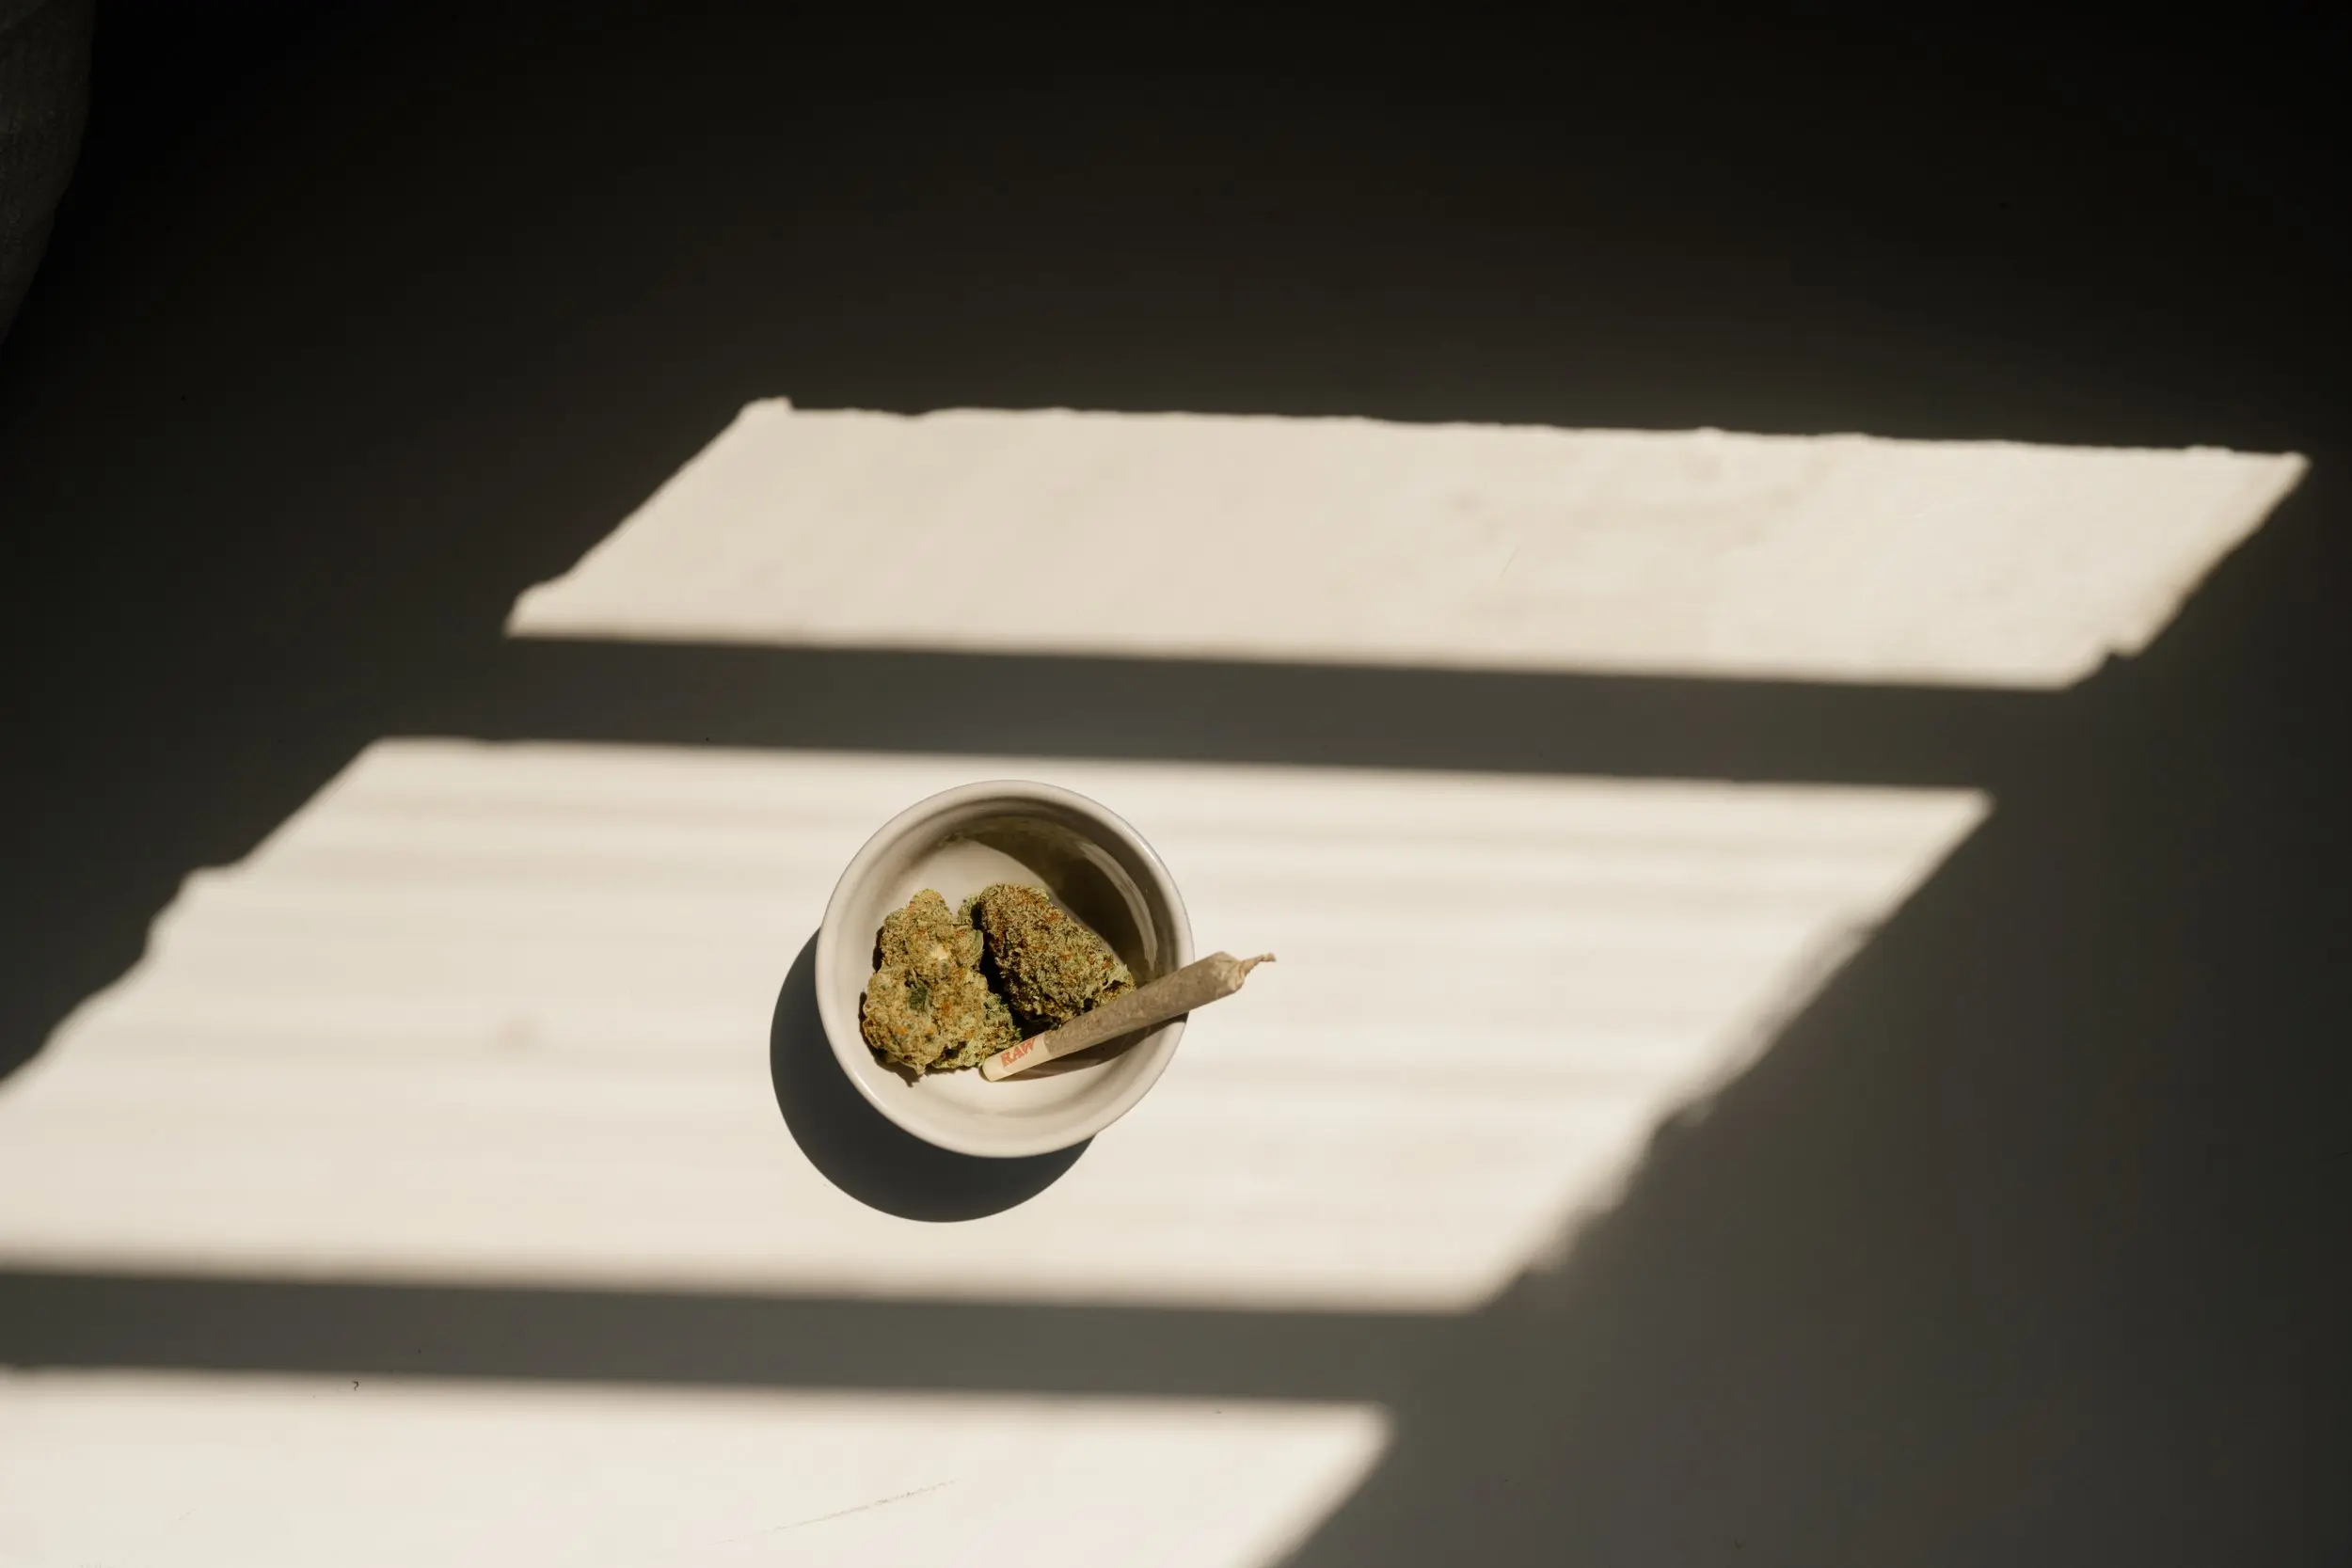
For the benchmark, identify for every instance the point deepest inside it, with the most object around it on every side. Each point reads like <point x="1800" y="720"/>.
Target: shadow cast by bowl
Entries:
<point x="860" y="1151"/>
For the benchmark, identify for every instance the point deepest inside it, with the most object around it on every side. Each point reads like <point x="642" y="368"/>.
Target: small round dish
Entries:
<point x="958" y="842"/>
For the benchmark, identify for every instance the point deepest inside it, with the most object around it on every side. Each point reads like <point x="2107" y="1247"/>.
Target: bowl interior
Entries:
<point x="1096" y="867"/>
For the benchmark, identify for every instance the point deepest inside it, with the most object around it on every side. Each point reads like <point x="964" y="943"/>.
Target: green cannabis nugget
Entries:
<point x="1050" y="967"/>
<point x="928" y="1008"/>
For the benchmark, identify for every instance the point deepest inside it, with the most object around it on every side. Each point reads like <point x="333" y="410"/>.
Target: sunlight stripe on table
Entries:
<point x="501" y="1013"/>
<point x="1837" y="557"/>
<point x="251" y="1472"/>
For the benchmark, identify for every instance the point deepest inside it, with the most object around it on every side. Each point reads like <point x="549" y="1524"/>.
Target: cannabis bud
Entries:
<point x="928" y="1007"/>
<point x="1050" y="966"/>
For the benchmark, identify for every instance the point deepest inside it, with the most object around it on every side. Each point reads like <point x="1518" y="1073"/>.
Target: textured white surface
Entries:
<point x="198" y="1470"/>
<point x="501" y="1013"/>
<point x="1828" y="558"/>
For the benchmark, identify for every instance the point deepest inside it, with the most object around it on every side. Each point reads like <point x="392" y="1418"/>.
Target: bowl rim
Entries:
<point x="849" y="1049"/>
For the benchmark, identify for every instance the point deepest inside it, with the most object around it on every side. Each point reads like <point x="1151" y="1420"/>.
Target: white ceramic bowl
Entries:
<point x="1005" y="830"/>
